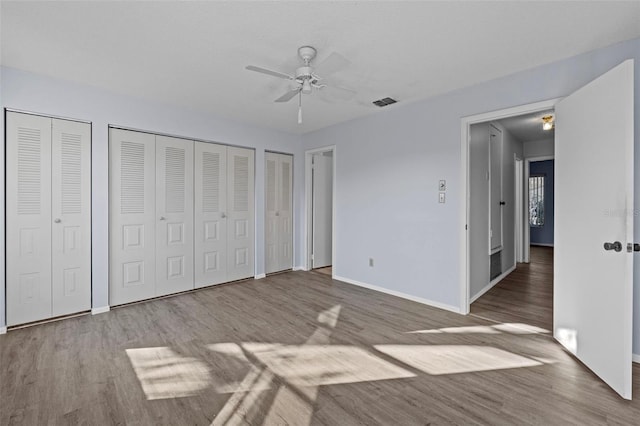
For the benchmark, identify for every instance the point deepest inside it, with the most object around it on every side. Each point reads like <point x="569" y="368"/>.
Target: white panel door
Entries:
<point x="71" y="211"/>
<point x="174" y="215"/>
<point x="210" y="214"/>
<point x="322" y="210"/>
<point x="241" y="216"/>
<point x="284" y="213"/>
<point x="271" y="207"/>
<point x="132" y="225"/>
<point x="593" y="287"/>
<point x="28" y="218"/>
<point x="495" y="189"/>
<point x="279" y="233"/>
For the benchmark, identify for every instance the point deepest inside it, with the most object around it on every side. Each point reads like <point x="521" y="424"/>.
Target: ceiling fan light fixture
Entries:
<point x="306" y="87"/>
<point x="547" y="122"/>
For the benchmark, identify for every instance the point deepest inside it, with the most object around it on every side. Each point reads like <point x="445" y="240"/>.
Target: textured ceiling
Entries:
<point x="193" y="54"/>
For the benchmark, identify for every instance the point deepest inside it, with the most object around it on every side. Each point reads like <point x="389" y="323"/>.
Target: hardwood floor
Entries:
<point x="295" y="348"/>
<point x="327" y="270"/>
<point x="525" y="295"/>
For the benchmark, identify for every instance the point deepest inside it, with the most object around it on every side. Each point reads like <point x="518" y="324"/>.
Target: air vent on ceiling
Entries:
<point x="384" y="102"/>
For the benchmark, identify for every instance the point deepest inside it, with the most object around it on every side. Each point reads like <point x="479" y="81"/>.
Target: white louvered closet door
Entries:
<point x="210" y="236"/>
<point x="132" y="216"/>
<point x="71" y="211"/>
<point x="271" y="208"/>
<point x="241" y="216"/>
<point x="174" y="215"/>
<point x="279" y="234"/>
<point x="285" y="227"/>
<point x="28" y="218"/>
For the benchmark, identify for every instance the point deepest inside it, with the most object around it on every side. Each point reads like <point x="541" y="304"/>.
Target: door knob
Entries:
<point x="277" y="213"/>
<point x="57" y="220"/>
<point x="617" y="246"/>
<point x="163" y="218"/>
<point x="222" y="215"/>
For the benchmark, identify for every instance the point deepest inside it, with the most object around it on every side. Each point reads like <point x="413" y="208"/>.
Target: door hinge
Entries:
<point x="466" y="227"/>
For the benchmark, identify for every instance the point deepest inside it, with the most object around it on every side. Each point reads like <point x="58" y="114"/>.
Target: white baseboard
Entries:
<point x="635" y="358"/>
<point x="260" y="276"/>
<point x="427" y="302"/>
<point x="3" y="330"/>
<point x="100" y="310"/>
<point x="541" y="244"/>
<point x="491" y="284"/>
<point x="299" y="268"/>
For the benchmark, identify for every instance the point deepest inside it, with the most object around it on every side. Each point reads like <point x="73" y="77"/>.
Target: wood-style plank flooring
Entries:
<point x="295" y="348"/>
<point x="523" y="296"/>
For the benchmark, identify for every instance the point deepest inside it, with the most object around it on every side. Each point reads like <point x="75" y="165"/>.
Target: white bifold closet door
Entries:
<point x="210" y="214"/>
<point x="279" y="191"/>
<point x="224" y="214"/>
<point x="48" y="217"/>
<point x="132" y="232"/>
<point x="241" y="213"/>
<point x="174" y="215"/>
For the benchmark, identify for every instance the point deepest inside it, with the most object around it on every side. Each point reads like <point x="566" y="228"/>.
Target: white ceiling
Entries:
<point x="528" y="127"/>
<point x="193" y="54"/>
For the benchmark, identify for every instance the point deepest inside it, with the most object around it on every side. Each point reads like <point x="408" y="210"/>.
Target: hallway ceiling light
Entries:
<point x="547" y="122"/>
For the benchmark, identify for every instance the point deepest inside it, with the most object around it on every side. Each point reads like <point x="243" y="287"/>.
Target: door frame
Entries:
<point x="465" y="205"/>
<point x="525" y="199"/>
<point x="308" y="195"/>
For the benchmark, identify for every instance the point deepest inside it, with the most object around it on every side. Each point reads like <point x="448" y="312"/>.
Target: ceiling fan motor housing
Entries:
<point x="307" y="53"/>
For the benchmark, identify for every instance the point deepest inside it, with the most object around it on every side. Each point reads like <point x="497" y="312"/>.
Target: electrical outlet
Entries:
<point x="371" y="261"/>
<point x="441" y="197"/>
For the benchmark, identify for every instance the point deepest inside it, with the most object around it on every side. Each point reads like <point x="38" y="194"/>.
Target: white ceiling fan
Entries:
<point x="307" y="78"/>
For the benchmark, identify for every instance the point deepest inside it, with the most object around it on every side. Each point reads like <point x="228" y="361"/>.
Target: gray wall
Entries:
<point x="30" y="92"/>
<point x="541" y="148"/>
<point x="388" y="166"/>
<point x="479" y="197"/>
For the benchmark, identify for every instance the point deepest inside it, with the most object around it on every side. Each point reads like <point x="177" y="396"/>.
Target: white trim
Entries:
<point x="100" y="310"/>
<point x="427" y="302"/>
<point x="3" y="330"/>
<point x="491" y="284"/>
<point x="300" y="268"/>
<point x="259" y="276"/>
<point x="465" y="124"/>
<point x="634" y="357"/>
<point x="308" y="265"/>
<point x="541" y="244"/>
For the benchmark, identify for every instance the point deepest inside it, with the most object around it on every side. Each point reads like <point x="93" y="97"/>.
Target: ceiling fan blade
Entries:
<point x="269" y="72"/>
<point x="288" y="96"/>
<point x="340" y="93"/>
<point x="333" y="63"/>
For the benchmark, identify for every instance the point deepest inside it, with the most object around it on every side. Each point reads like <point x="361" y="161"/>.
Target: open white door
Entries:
<point x="593" y="287"/>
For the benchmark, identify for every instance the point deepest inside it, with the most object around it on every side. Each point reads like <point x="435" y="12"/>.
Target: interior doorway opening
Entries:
<point x="499" y="284"/>
<point x="320" y="178"/>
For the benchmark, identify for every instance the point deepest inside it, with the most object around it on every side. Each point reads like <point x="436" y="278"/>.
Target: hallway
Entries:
<point x="524" y="296"/>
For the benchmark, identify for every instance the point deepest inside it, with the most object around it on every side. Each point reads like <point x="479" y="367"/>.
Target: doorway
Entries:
<point x="320" y="178"/>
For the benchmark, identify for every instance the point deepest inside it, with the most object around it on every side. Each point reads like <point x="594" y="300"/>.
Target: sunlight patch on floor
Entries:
<point x="455" y="359"/>
<point x="511" y="328"/>
<point x="317" y="365"/>
<point x="163" y="373"/>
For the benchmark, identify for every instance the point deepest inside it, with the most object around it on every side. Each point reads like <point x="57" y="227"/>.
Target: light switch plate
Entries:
<point x="442" y="185"/>
<point x="441" y="197"/>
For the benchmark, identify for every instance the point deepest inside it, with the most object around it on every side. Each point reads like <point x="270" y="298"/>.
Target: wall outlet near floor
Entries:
<point x="371" y="261"/>
<point x="441" y="197"/>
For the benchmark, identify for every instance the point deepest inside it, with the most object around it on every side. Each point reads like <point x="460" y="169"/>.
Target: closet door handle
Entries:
<point x="163" y="218"/>
<point x="277" y="213"/>
<point x="223" y="215"/>
<point x="57" y="220"/>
